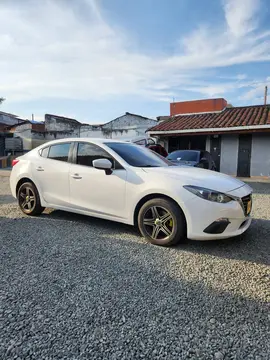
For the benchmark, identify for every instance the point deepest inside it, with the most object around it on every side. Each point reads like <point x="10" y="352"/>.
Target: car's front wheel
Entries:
<point x="29" y="200"/>
<point x="162" y="222"/>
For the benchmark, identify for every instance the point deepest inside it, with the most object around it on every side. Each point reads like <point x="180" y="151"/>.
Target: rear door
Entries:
<point x="91" y="189"/>
<point x="51" y="172"/>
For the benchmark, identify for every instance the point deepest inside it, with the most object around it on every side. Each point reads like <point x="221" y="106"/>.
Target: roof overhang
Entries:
<point x="207" y="131"/>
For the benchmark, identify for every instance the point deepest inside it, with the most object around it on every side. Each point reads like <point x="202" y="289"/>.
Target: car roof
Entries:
<point x="87" y="139"/>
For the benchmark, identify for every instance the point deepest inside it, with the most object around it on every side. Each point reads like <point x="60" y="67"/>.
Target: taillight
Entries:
<point x="14" y="162"/>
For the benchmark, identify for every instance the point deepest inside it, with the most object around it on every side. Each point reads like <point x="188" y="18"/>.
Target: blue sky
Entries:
<point x="93" y="60"/>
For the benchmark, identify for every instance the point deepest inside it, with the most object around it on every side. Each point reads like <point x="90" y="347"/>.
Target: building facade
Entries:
<point x="125" y="127"/>
<point x="6" y="120"/>
<point x="237" y="137"/>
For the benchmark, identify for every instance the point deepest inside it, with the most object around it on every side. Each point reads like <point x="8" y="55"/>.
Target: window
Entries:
<point x="139" y="156"/>
<point x="59" y="152"/>
<point x="88" y="152"/>
<point x="184" y="155"/>
<point x="44" y="152"/>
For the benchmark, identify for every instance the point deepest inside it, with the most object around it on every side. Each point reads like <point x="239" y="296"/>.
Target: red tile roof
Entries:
<point x="230" y="117"/>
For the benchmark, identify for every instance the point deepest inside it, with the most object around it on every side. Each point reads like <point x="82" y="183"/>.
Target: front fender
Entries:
<point x="155" y="192"/>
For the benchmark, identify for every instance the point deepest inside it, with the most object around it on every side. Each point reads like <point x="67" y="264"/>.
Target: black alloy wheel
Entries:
<point x="29" y="200"/>
<point x="162" y="222"/>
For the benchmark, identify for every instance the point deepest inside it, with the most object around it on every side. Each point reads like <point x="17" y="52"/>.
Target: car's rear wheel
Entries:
<point x="29" y="200"/>
<point x="162" y="222"/>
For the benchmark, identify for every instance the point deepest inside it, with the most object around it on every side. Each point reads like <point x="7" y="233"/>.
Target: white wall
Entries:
<point x="26" y="137"/>
<point x="91" y="131"/>
<point x="125" y="127"/>
<point x="24" y="132"/>
<point x="61" y="124"/>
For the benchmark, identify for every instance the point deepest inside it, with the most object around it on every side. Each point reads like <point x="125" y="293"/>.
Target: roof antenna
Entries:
<point x="265" y="95"/>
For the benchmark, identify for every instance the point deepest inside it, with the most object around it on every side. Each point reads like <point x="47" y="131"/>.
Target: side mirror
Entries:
<point x="103" y="164"/>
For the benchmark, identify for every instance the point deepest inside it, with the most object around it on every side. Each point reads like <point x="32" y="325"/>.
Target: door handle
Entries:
<point x="39" y="168"/>
<point x="76" y="176"/>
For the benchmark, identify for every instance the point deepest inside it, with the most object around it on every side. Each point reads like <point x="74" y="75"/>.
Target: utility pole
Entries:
<point x="265" y="95"/>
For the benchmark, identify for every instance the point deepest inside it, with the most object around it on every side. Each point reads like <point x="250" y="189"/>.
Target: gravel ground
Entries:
<point x="74" y="287"/>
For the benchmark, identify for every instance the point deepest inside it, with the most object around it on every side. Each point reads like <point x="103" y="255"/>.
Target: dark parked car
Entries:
<point x="197" y="158"/>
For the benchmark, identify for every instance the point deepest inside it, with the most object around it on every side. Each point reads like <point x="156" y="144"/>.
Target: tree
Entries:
<point x="2" y="100"/>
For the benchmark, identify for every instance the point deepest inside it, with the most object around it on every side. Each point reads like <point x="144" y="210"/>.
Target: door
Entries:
<point x="244" y="155"/>
<point x="215" y="150"/>
<point x="91" y="189"/>
<point x="51" y="173"/>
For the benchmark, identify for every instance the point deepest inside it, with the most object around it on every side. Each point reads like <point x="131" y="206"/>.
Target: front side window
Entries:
<point x="59" y="152"/>
<point x="88" y="152"/>
<point x="138" y="156"/>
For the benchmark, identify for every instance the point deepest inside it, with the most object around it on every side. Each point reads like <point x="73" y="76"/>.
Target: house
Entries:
<point x="6" y="120"/>
<point x="9" y="119"/>
<point x="237" y="137"/>
<point x="126" y="127"/>
<point x="32" y="134"/>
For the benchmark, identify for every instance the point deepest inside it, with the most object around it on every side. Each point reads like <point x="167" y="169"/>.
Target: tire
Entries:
<point x="162" y="222"/>
<point x="29" y="200"/>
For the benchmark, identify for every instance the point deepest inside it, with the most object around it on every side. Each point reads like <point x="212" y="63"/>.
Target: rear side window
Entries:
<point x="44" y="152"/>
<point x="59" y="152"/>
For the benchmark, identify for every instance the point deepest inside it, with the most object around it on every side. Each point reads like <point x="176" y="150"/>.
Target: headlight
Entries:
<point x="210" y="195"/>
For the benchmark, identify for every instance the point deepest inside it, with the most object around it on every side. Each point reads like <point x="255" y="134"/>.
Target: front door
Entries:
<point x="215" y="150"/>
<point x="244" y="155"/>
<point x="91" y="189"/>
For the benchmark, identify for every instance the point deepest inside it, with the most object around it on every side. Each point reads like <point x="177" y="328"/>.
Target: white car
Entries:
<point x="130" y="184"/>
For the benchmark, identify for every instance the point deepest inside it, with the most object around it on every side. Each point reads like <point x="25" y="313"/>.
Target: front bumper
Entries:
<point x="213" y="221"/>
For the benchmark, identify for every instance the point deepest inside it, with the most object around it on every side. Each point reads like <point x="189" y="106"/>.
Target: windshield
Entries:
<point x="183" y="155"/>
<point x="138" y="156"/>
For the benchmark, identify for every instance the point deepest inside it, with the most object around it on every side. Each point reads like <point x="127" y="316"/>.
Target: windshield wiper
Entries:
<point x="148" y="166"/>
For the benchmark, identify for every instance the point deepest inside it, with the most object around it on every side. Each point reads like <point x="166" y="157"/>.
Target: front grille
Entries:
<point x="245" y="203"/>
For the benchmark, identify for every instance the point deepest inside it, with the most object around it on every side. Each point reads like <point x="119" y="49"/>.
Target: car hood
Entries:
<point x="188" y="175"/>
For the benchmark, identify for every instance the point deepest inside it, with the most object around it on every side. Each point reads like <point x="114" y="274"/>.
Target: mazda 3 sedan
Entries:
<point x="128" y="183"/>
